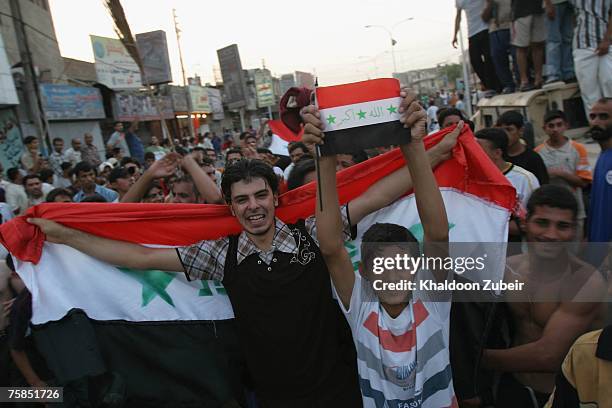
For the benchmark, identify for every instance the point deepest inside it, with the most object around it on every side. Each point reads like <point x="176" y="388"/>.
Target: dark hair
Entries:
<point x="65" y="165"/>
<point x="94" y="198"/>
<point x="553" y="196"/>
<point x="386" y="233"/>
<point x="149" y="155"/>
<point x="247" y="170"/>
<point x="46" y="176"/>
<point x="511" y="118"/>
<point x="207" y="161"/>
<point x="198" y="149"/>
<point x="210" y="149"/>
<point x="233" y="150"/>
<point x="128" y="160"/>
<point x="83" y="167"/>
<point x="498" y="137"/>
<point x="554" y="114"/>
<point x="445" y="113"/>
<point x="9" y="262"/>
<point x="297" y="145"/>
<point x="117" y="123"/>
<point x="117" y="173"/>
<point x="249" y="136"/>
<point x="263" y="150"/>
<point x="12" y="173"/>
<point x="243" y="135"/>
<point x="57" y="139"/>
<point x="299" y="172"/>
<point x="460" y="96"/>
<point x="29" y="140"/>
<point x="30" y="177"/>
<point x="56" y="192"/>
<point x="359" y="156"/>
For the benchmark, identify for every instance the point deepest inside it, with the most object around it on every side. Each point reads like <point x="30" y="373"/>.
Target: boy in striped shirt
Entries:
<point x="401" y="337"/>
<point x="566" y="161"/>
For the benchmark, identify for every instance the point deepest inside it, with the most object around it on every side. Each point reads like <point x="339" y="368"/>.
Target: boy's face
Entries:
<point x="555" y="128"/>
<point x="390" y="273"/>
<point x="514" y="134"/>
<point x="547" y="228"/>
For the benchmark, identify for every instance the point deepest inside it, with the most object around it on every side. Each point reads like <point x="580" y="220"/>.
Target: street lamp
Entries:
<point x="393" y="41"/>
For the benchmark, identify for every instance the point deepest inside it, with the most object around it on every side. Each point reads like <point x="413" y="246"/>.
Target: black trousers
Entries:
<point x="513" y="394"/>
<point x="482" y="63"/>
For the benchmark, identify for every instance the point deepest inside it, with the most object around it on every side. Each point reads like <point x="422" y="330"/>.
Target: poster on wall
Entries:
<point x="64" y="102"/>
<point x="136" y="106"/>
<point x="115" y="68"/>
<point x="153" y="48"/>
<point x="11" y="145"/>
<point x="216" y="103"/>
<point x="199" y="99"/>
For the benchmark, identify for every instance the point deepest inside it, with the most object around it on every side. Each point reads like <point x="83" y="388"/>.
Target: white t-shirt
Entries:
<point x="473" y="10"/>
<point x="402" y="362"/>
<point x="432" y="119"/>
<point x="524" y="181"/>
<point x="118" y="140"/>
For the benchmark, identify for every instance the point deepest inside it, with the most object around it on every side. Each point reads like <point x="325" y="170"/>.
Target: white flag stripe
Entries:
<point x="361" y="114"/>
<point x="279" y="146"/>
<point x="65" y="279"/>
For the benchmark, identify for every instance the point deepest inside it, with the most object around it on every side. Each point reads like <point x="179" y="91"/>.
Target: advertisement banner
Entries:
<point x="199" y="99"/>
<point x="180" y="102"/>
<point x="263" y="88"/>
<point x="115" y="68"/>
<point x="233" y="78"/>
<point x="216" y="103"/>
<point x="64" y="102"/>
<point x="137" y="106"/>
<point x="8" y="93"/>
<point x="11" y="146"/>
<point x="153" y="48"/>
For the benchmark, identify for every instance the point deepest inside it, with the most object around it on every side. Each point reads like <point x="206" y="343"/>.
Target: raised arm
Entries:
<point x="119" y="253"/>
<point x="329" y="220"/>
<point x="159" y="169"/>
<point x="457" y="25"/>
<point x="208" y="189"/>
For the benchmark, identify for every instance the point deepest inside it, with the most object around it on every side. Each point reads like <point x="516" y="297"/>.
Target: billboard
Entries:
<point x="179" y="98"/>
<point x="65" y="102"/>
<point x="153" y="48"/>
<point x="115" y="68"/>
<point x="8" y="93"/>
<point x="216" y="103"/>
<point x="263" y="88"/>
<point x="286" y="81"/>
<point x="233" y="78"/>
<point x="304" y="79"/>
<point x="140" y="106"/>
<point x="11" y="146"/>
<point x="199" y="99"/>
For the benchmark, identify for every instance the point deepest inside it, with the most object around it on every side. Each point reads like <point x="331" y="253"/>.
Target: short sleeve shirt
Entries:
<point x="398" y="357"/>
<point x="206" y="259"/>
<point x="571" y="157"/>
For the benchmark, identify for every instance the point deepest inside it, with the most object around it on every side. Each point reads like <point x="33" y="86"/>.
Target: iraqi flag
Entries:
<point x="150" y="322"/>
<point x="360" y="115"/>
<point x="281" y="137"/>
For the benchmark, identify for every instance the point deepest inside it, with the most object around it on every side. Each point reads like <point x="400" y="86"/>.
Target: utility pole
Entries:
<point x="466" y="77"/>
<point x="177" y="30"/>
<point x="31" y="81"/>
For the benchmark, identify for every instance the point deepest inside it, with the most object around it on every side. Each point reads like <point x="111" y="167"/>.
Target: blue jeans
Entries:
<point x="559" y="61"/>
<point x="501" y="50"/>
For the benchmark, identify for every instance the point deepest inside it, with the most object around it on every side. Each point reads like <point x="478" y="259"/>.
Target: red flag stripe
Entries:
<point x="358" y="92"/>
<point x="469" y="171"/>
<point x="278" y="128"/>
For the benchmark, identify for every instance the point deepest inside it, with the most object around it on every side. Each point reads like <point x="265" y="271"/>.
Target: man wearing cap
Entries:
<point x="121" y="180"/>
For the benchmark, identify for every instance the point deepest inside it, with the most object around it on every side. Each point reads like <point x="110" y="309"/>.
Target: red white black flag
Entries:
<point x="361" y="115"/>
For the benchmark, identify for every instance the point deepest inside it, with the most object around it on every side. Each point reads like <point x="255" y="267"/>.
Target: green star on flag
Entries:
<point x="154" y="283"/>
<point x="392" y="109"/>
<point x="331" y="119"/>
<point x="361" y="114"/>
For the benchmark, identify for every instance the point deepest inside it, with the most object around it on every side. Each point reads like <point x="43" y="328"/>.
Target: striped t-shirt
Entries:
<point x="572" y="157"/>
<point x="403" y="362"/>
<point x="592" y="17"/>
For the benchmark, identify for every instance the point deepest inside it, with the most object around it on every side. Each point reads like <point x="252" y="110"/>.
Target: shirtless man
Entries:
<point x="559" y="302"/>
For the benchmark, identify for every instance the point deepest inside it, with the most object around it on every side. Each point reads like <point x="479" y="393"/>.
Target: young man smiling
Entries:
<point x="276" y="278"/>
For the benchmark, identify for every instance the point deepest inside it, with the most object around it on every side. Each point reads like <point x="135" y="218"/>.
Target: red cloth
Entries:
<point x="291" y="116"/>
<point x="470" y="171"/>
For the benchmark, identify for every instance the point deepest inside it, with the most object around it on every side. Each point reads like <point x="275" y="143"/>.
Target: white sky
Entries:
<point x="326" y="37"/>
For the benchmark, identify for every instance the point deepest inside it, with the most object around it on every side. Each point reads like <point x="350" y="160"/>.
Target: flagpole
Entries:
<point x="318" y="151"/>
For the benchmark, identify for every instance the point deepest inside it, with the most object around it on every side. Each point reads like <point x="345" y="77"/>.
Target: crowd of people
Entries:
<point x="520" y="355"/>
<point x="521" y="45"/>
